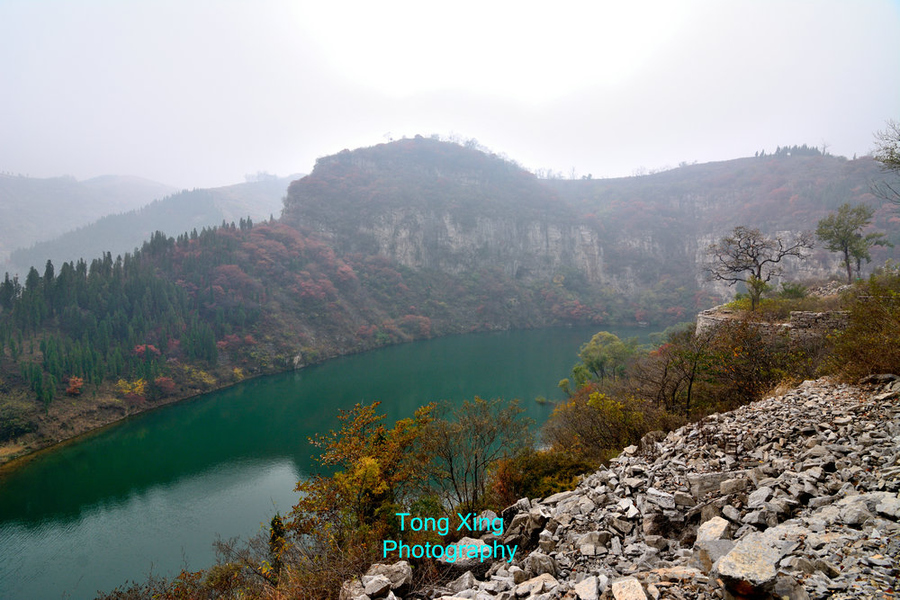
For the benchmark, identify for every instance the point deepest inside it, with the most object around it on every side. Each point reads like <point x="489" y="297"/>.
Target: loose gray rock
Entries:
<point x="628" y="589"/>
<point x="751" y="567"/>
<point x="587" y="589"/>
<point x="806" y="483"/>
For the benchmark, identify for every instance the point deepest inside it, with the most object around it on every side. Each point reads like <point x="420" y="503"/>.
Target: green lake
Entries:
<point x="152" y="493"/>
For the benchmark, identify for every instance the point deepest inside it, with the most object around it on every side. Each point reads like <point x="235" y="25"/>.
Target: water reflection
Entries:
<point x="116" y="541"/>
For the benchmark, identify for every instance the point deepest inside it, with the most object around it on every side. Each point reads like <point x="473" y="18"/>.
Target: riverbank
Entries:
<point x="71" y="419"/>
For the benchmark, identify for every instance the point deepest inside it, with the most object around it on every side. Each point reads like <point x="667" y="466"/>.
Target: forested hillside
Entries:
<point x="83" y="344"/>
<point x="430" y="205"/>
<point x="402" y="241"/>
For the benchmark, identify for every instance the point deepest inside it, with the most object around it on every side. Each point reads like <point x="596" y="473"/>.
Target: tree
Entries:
<point x="377" y="469"/>
<point x="468" y="441"/>
<point x="750" y="257"/>
<point x="887" y="152"/>
<point x="869" y="344"/>
<point x="335" y="530"/>
<point x="841" y="232"/>
<point x="604" y="356"/>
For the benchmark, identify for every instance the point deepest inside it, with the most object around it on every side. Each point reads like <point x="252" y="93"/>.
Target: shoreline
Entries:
<point x="11" y="459"/>
<point x="9" y="462"/>
<point x="16" y="453"/>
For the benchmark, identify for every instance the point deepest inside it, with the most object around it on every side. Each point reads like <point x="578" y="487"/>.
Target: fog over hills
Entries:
<point x="387" y="244"/>
<point x="33" y="210"/>
<point x="121" y="231"/>
<point x="429" y="204"/>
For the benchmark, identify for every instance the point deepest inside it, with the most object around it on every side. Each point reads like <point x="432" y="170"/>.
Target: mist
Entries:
<point x="200" y="93"/>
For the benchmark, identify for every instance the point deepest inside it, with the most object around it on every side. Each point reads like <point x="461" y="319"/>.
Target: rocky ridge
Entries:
<point x="795" y="496"/>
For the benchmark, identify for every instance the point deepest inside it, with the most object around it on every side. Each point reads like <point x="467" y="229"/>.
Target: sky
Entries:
<point x="199" y="93"/>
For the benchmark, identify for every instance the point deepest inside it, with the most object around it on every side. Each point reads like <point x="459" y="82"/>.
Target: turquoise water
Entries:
<point x="152" y="493"/>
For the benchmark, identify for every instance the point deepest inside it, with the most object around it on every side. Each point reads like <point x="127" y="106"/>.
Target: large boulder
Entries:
<point x="751" y="567"/>
<point x="399" y="574"/>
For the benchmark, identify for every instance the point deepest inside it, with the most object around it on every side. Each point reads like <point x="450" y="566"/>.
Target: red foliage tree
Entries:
<point x="75" y="385"/>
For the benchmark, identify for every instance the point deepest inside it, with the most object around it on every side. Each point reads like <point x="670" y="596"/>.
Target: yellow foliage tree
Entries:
<point x="136" y="387"/>
<point x="379" y="469"/>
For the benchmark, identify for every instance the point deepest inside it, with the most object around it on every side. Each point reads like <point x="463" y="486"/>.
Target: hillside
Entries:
<point x="88" y="344"/>
<point x="684" y="210"/>
<point x="175" y="214"/>
<point x="402" y="241"/>
<point x="430" y="205"/>
<point x="794" y="496"/>
<point x="433" y="205"/>
<point x="34" y="210"/>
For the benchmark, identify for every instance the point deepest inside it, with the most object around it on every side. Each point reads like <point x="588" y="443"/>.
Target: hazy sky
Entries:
<point x="197" y="93"/>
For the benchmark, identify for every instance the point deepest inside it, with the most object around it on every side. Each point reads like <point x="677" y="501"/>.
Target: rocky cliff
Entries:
<point x="795" y="496"/>
<point x="432" y="205"/>
<point x="429" y="204"/>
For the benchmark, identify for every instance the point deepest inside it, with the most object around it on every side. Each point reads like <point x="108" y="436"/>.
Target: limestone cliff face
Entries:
<point x="432" y="205"/>
<point x="521" y="248"/>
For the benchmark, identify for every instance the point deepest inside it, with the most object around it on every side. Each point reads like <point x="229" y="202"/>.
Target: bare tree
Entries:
<point x="887" y="152"/>
<point x="468" y="441"/>
<point x="750" y="257"/>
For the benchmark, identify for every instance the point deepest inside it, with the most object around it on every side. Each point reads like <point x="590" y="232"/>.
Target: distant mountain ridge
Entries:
<point x="31" y="210"/>
<point x="174" y="214"/>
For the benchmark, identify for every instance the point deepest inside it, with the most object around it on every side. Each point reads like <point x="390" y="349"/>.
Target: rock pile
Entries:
<point x="832" y="288"/>
<point x="795" y="496"/>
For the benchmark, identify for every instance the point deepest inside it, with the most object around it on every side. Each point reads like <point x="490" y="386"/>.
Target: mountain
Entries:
<point x="431" y="205"/>
<point x="175" y="214"/>
<point x="663" y="223"/>
<point x="33" y="210"/>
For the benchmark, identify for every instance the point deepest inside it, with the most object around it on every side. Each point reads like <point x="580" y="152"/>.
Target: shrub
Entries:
<point x="792" y="291"/>
<point x="75" y="385"/>
<point x="138" y="387"/>
<point x="747" y="362"/>
<point x="165" y="385"/>
<point x="870" y="344"/>
<point x="779" y="308"/>
<point x="16" y="415"/>
<point x="732" y="364"/>
<point x="594" y="426"/>
<point x="536" y="474"/>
